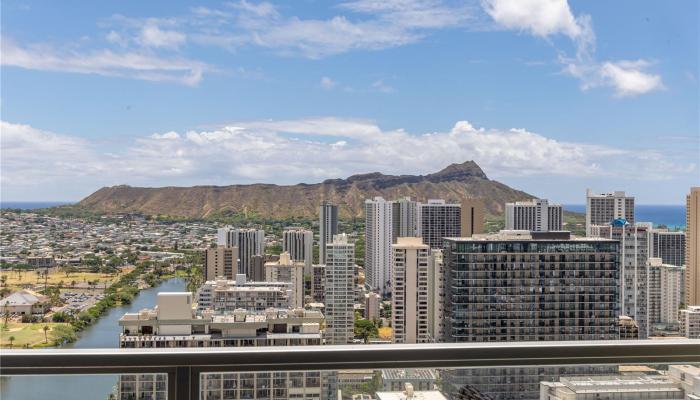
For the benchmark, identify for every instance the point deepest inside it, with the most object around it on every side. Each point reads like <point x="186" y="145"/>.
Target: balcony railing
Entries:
<point x="183" y="365"/>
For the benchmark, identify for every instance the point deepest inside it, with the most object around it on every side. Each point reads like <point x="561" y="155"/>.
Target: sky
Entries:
<point x="548" y="96"/>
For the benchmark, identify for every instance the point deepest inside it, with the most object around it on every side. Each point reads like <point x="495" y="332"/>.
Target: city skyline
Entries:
<point x="548" y="97"/>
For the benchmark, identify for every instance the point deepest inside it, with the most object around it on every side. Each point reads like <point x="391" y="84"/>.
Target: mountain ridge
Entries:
<point x="455" y="182"/>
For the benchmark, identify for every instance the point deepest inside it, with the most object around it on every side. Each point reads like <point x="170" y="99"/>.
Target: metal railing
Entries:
<point x="183" y="365"/>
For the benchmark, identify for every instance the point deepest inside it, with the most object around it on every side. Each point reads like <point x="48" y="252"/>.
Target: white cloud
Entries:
<point x="328" y="83"/>
<point x="382" y="87"/>
<point x="310" y="150"/>
<point x="544" y="18"/>
<point x="628" y="78"/>
<point x="152" y="36"/>
<point x="130" y="64"/>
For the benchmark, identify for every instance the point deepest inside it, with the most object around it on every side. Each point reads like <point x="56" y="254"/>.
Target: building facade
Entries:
<point x="602" y="209"/>
<point x="690" y="322"/>
<point x="439" y="219"/>
<point x="287" y="270"/>
<point x="299" y="244"/>
<point x="378" y="240"/>
<point x="668" y="246"/>
<point x="692" y="248"/>
<point x="220" y="261"/>
<point x="339" y="294"/>
<point x="327" y="228"/>
<point x="535" y="215"/>
<point x="473" y="217"/>
<point x="223" y="295"/>
<point x="405" y="222"/>
<point x="665" y="292"/>
<point x="409" y="300"/>
<point x="249" y="242"/>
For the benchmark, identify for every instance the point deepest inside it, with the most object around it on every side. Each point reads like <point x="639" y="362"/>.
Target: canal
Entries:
<point x="103" y="334"/>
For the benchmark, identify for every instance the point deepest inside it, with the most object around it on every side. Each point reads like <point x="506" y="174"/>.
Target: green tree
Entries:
<point x="11" y="339"/>
<point x="365" y="329"/>
<point x="46" y="333"/>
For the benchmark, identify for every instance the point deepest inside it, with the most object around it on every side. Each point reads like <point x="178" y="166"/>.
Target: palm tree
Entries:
<point x="46" y="335"/>
<point x="11" y="339"/>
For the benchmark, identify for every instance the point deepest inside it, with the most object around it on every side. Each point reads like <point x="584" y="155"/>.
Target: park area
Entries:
<point x="20" y="335"/>
<point x="17" y="279"/>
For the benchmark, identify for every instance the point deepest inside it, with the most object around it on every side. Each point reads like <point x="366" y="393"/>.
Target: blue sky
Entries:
<point x="547" y="96"/>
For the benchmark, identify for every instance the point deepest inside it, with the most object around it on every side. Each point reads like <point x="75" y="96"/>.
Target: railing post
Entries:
<point x="180" y="385"/>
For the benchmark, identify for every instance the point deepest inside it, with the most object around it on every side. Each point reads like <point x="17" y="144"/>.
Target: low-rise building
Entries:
<point x="175" y="323"/>
<point x="421" y="379"/>
<point x="690" y="322"/>
<point x="25" y="302"/>
<point x="227" y="295"/>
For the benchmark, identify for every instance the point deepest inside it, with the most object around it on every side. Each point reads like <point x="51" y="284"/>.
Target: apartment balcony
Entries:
<point x="302" y="371"/>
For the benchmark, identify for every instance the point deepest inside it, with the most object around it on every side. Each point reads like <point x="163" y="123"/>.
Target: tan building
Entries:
<point x="692" y="248"/>
<point x="24" y="302"/>
<point x="473" y="217"/>
<point x="409" y="301"/>
<point x="436" y="293"/>
<point x="287" y="270"/>
<point x="220" y="261"/>
<point x="372" y="305"/>
<point x="690" y="322"/>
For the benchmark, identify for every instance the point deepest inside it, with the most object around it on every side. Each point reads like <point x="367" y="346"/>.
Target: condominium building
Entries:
<point x="602" y="209"/>
<point x="223" y="295"/>
<point x="405" y="219"/>
<point x="690" y="322"/>
<point x="530" y="286"/>
<point x="175" y="323"/>
<point x="287" y="270"/>
<point x="220" y="261"/>
<point x="438" y="220"/>
<point x="665" y="291"/>
<point x="668" y="246"/>
<point x="378" y="240"/>
<point x="339" y="286"/>
<point x="372" y="306"/>
<point x="250" y="242"/>
<point x="409" y="301"/>
<point x="299" y="244"/>
<point x="318" y="282"/>
<point x="692" y="248"/>
<point x="535" y="215"/>
<point x="473" y="217"/>
<point x="634" y="248"/>
<point x="328" y="227"/>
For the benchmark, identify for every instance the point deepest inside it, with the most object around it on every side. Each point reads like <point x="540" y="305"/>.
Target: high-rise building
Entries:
<point x="340" y="290"/>
<point x="405" y="221"/>
<point x="668" y="245"/>
<point x="528" y="286"/>
<point x="537" y="286"/>
<point x="409" y="297"/>
<point x="318" y="282"/>
<point x="378" y="240"/>
<point x="634" y="248"/>
<point x="535" y="215"/>
<point x="602" y="209"/>
<point x="690" y="322"/>
<point x="438" y="220"/>
<point x="436" y="292"/>
<point x="473" y="217"/>
<point x="665" y="292"/>
<point x="287" y="270"/>
<point x="372" y="306"/>
<point x="220" y="261"/>
<point x="692" y="248"/>
<point x="250" y="242"/>
<point x="299" y="244"/>
<point x="327" y="229"/>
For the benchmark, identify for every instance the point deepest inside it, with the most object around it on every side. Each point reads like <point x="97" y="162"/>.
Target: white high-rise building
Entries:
<point x="327" y="228"/>
<point x="409" y="298"/>
<point x="665" y="292"/>
<point x="439" y="219"/>
<point x="287" y="270"/>
<point x="299" y="244"/>
<point x="634" y="254"/>
<point x="250" y="242"/>
<point x="602" y="209"/>
<point x="378" y="240"/>
<point x="340" y="290"/>
<point x="535" y="215"/>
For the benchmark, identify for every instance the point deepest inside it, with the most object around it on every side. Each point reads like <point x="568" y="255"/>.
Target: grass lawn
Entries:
<point x="15" y="279"/>
<point x="31" y="334"/>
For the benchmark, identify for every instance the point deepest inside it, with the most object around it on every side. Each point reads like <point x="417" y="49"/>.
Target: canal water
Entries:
<point x="103" y="334"/>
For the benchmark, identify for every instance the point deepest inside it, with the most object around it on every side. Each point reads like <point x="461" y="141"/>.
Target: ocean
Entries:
<point x="32" y="205"/>
<point x="671" y="216"/>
